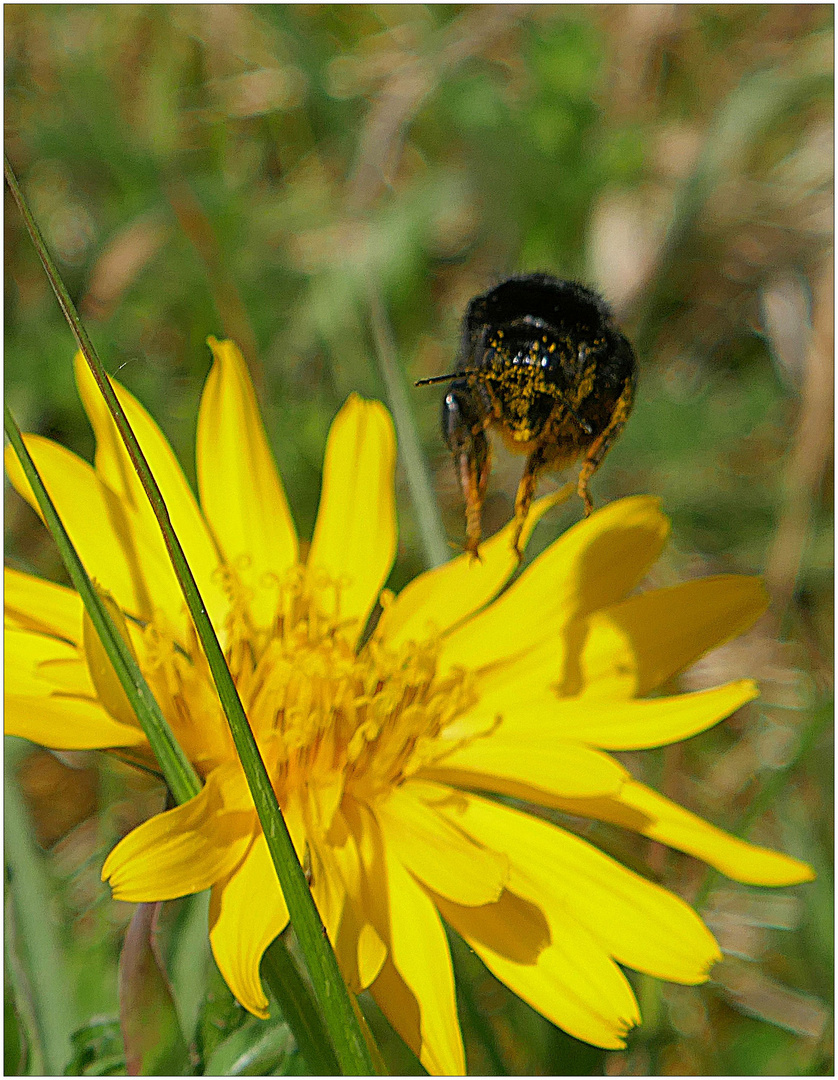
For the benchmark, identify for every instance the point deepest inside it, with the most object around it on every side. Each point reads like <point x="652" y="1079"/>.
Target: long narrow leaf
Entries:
<point x="294" y="999"/>
<point x="333" y="997"/>
<point x="413" y="457"/>
<point x="37" y="928"/>
<point x="177" y="768"/>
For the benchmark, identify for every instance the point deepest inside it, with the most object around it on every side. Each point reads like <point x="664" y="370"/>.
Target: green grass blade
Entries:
<point x="331" y="992"/>
<point x="37" y="932"/>
<point x="294" y="997"/>
<point x="419" y="482"/>
<point x="176" y="766"/>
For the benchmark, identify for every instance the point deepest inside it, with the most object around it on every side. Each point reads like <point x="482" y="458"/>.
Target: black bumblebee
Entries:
<point x="542" y="362"/>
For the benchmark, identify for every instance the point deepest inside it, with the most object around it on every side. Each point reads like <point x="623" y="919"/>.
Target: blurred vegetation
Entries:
<point x="306" y="179"/>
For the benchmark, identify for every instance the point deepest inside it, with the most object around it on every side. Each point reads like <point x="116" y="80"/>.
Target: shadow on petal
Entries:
<point x="512" y="926"/>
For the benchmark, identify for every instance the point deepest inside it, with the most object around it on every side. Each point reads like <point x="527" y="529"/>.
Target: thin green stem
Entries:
<point x="294" y="997"/>
<point x="333" y="997"/>
<point x="419" y="483"/>
<point x="181" y="777"/>
<point x="37" y="925"/>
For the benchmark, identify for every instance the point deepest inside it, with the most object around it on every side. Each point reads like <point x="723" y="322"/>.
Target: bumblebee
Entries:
<point x="542" y="363"/>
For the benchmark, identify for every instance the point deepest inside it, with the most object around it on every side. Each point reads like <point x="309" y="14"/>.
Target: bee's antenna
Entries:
<point x="436" y="379"/>
<point x="443" y="378"/>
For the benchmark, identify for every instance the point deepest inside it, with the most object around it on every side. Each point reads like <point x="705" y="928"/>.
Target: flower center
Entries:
<point x="322" y="710"/>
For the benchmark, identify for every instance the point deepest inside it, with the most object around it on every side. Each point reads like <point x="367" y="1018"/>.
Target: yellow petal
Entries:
<point x="92" y="520"/>
<point x="399" y="1004"/>
<point x="530" y="676"/>
<point x="109" y="689"/>
<point x="181" y="851"/>
<point x="423" y="1009"/>
<point x="114" y="466"/>
<point x="572" y="981"/>
<point x="372" y="902"/>
<point x="435" y="852"/>
<point x="594" y="563"/>
<point x="440" y="598"/>
<point x="523" y="763"/>
<point x="32" y="603"/>
<point x="636" y="645"/>
<point x="241" y="493"/>
<point x="372" y="954"/>
<point x="328" y="892"/>
<point x="355" y="536"/>
<point x="423" y="1014"/>
<point x="638" y="725"/>
<point x="345" y="924"/>
<point x="358" y="945"/>
<point x="574" y="985"/>
<point x="637" y="922"/>
<point x="512" y="926"/>
<point x="643" y="810"/>
<point x="44" y="677"/>
<point x="41" y="665"/>
<point x="624" y="724"/>
<point x="247" y="911"/>
<point x="66" y="724"/>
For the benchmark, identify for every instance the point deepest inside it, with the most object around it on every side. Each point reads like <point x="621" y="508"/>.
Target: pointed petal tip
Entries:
<point x="703" y="970"/>
<point x="218" y="348"/>
<point x="113" y="875"/>
<point x="757" y="865"/>
<point x="716" y="958"/>
<point x="798" y="872"/>
<point x="108" y="868"/>
<point x="747" y="686"/>
<point x="371" y="407"/>
<point x="639" y="509"/>
<point x="261" y="1012"/>
<point x="372" y="419"/>
<point x="636" y="504"/>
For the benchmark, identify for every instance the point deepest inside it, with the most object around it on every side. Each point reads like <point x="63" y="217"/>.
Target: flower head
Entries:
<point x="387" y="741"/>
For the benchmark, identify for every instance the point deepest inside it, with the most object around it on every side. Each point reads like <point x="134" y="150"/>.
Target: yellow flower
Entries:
<point x="386" y="749"/>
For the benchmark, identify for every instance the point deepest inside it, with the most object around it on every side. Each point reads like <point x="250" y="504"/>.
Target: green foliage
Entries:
<point x="15" y="1042"/>
<point x="250" y="171"/>
<point x="97" y="1050"/>
<point x="220" y="1018"/>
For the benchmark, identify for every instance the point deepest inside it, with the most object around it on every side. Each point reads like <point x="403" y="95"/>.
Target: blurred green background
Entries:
<point x="311" y="180"/>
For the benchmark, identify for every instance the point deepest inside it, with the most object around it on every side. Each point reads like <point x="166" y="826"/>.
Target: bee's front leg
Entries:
<point x="536" y="463"/>
<point x="464" y="422"/>
<point x="601" y="445"/>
